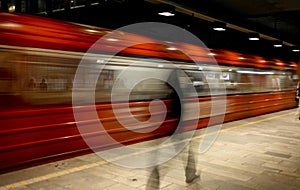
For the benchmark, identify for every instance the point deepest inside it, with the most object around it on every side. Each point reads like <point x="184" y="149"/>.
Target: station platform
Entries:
<point x="260" y="153"/>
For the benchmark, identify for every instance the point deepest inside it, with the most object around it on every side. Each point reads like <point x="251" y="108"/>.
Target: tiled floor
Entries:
<point x="255" y="153"/>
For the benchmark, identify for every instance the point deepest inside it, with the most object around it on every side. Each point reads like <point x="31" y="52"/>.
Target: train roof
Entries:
<point x="34" y="31"/>
<point x="38" y="32"/>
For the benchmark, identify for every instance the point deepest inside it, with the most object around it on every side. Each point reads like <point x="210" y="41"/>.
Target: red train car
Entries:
<point x="39" y="59"/>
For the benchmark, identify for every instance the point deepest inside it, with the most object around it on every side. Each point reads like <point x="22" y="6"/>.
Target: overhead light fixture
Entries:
<point x="253" y="36"/>
<point x="166" y="13"/>
<point x="219" y="26"/>
<point x="295" y="49"/>
<point x="166" y="10"/>
<point x="277" y="43"/>
<point x="11" y="8"/>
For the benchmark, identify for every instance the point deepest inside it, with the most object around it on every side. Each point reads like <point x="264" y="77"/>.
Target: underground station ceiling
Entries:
<point x="272" y="19"/>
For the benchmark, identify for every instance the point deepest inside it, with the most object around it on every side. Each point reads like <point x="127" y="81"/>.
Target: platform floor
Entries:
<point x="256" y="153"/>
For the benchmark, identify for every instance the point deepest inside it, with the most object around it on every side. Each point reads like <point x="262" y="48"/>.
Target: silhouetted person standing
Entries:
<point x="176" y="112"/>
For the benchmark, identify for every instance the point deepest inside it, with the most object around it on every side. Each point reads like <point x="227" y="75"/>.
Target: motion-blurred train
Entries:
<point x="39" y="58"/>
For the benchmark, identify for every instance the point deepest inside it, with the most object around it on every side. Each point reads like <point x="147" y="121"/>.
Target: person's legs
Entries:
<point x="190" y="168"/>
<point x="153" y="180"/>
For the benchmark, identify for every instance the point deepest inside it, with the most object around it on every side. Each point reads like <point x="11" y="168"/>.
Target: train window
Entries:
<point x="6" y="74"/>
<point x="237" y="81"/>
<point x="7" y="78"/>
<point x="8" y="91"/>
<point x="150" y="89"/>
<point x="128" y="85"/>
<point x="295" y="77"/>
<point x="57" y="71"/>
<point x="264" y="81"/>
<point x="46" y="78"/>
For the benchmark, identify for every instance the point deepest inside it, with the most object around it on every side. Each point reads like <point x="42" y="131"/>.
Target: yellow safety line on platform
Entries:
<point x="87" y="166"/>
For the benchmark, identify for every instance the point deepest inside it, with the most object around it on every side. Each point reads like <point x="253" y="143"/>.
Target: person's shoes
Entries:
<point x="192" y="179"/>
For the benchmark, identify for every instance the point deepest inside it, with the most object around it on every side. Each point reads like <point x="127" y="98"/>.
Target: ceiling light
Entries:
<point x="295" y="49"/>
<point x="219" y="26"/>
<point x="253" y="36"/>
<point x="12" y="8"/>
<point x="166" y="10"/>
<point x="166" y="13"/>
<point x="220" y="29"/>
<point x="277" y="43"/>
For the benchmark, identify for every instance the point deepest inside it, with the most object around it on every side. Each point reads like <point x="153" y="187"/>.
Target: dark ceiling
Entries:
<point x="277" y="18"/>
<point x="273" y="19"/>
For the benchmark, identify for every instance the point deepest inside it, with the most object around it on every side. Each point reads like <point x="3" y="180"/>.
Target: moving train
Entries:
<point x="39" y="61"/>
